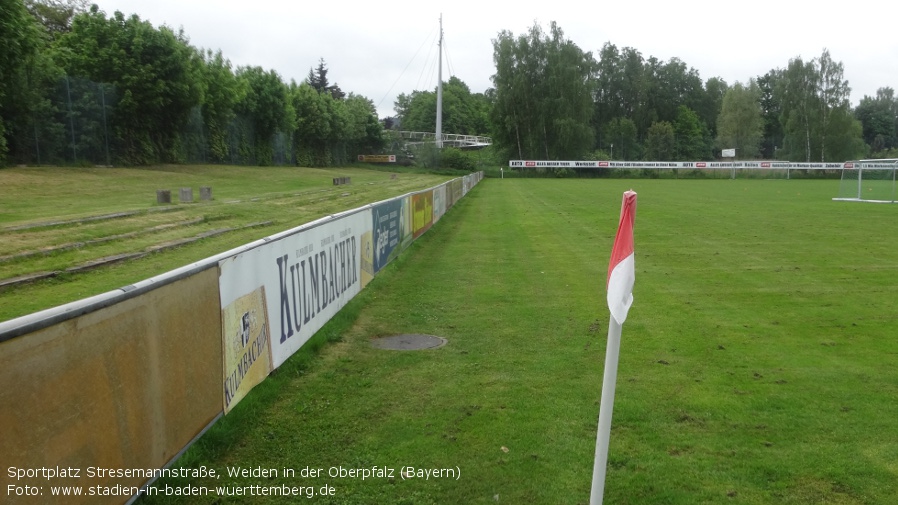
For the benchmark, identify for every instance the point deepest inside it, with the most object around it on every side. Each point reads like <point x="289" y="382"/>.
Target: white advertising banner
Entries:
<point x="306" y="278"/>
<point x="684" y="164"/>
<point x="439" y="202"/>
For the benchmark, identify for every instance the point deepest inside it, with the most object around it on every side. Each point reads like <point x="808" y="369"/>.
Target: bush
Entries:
<point x="597" y="155"/>
<point x="888" y="153"/>
<point x="3" y="148"/>
<point x="451" y="157"/>
<point x="562" y="172"/>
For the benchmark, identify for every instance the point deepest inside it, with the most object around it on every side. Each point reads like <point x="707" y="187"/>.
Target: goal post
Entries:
<point x="868" y="181"/>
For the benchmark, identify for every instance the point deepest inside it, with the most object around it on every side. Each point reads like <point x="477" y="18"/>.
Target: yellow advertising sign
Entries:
<point x="377" y="158"/>
<point x="247" y="345"/>
<point x="367" y="252"/>
<point x="423" y="212"/>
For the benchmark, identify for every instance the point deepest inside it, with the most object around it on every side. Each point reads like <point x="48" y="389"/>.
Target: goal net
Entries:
<point x="868" y="182"/>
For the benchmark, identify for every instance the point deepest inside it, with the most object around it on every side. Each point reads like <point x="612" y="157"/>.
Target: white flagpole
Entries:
<point x="612" y="352"/>
<point x="621" y="276"/>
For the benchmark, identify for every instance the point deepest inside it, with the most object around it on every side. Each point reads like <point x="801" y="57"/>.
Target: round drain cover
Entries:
<point x="410" y="342"/>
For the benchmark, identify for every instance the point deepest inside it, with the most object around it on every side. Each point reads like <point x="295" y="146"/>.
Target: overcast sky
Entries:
<point x="379" y="49"/>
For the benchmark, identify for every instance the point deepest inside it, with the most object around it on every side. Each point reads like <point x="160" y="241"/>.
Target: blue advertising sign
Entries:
<point x="387" y="232"/>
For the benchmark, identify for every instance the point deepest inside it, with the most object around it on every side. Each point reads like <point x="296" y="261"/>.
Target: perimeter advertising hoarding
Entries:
<point x="439" y="202"/>
<point x="386" y="232"/>
<point x="681" y="164"/>
<point x="405" y="222"/>
<point x="246" y="345"/>
<point x="307" y="277"/>
<point x="422" y="205"/>
<point x="130" y="385"/>
<point x="377" y="158"/>
<point x="450" y="200"/>
<point x="455" y="191"/>
<point x="123" y="387"/>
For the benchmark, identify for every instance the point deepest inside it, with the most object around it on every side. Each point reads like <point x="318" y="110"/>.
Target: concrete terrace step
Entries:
<point x="118" y="258"/>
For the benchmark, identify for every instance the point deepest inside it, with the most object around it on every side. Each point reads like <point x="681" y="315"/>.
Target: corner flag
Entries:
<point x="621" y="276"/>
<point x="622" y="269"/>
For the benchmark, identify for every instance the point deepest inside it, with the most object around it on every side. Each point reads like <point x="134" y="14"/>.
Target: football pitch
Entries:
<point x="757" y="364"/>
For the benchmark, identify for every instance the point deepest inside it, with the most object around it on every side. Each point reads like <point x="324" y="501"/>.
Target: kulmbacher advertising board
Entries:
<point x="246" y="345"/>
<point x="303" y="280"/>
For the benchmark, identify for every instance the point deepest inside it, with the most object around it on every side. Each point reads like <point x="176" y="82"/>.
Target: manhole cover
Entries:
<point x="411" y="342"/>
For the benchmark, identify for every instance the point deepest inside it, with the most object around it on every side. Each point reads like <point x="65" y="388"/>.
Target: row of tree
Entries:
<point x="76" y="86"/>
<point x="553" y="100"/>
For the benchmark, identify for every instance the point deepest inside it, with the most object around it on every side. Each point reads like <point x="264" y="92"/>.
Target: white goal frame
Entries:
<point x="859" y="167"/>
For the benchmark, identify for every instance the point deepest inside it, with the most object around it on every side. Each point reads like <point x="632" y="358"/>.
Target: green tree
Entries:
<point x="620" y="139"/>
<point x="56" y="15"/>
<point x="265" y="111"/>
<point x="544" y="87"/>
<point x="879" y="117"/>
<point x="364" y="133"/>
<point x="816" y="117"/>
<point x="312" y="132"/>
<point x="691" y="136"/>
<point x="154" y="71"/>
<point x="645" y="111"/>
<point x="740" y="125"/>
<point x="622" y="88"/>
<point x="647" y="90"/>
<point x="34" y="132"/>
<point x="712" y="100"/>
<point x="464" y="113"/>
<point x="771" y="112"/>
<point x="318" y="79"/>
<point x="845" y="138"/>
<point x="659" y="144"/>
<point x="222" y="91"/>
<point x="320" y="124"/>
<point x="19" y="44"/>
<point x="609" y="101"/>
<point x="799" y="107"/>
<point x="676" y="85"/>
<point x="833" y="92"/>
<point x="417" y="111"/>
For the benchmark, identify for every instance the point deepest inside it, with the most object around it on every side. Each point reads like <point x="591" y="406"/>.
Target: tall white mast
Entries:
<point x="439" y="130"/>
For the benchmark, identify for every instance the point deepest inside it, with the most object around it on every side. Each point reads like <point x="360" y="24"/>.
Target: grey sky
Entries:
<point x="381" y="49"/>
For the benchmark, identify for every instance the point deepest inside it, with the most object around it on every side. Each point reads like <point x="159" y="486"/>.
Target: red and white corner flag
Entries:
<point x="622" y="269"/>
<point x="621" y="276"/>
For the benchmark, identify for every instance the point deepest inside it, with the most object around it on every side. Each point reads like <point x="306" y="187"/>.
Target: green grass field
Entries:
<point x="757" y="363"/>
